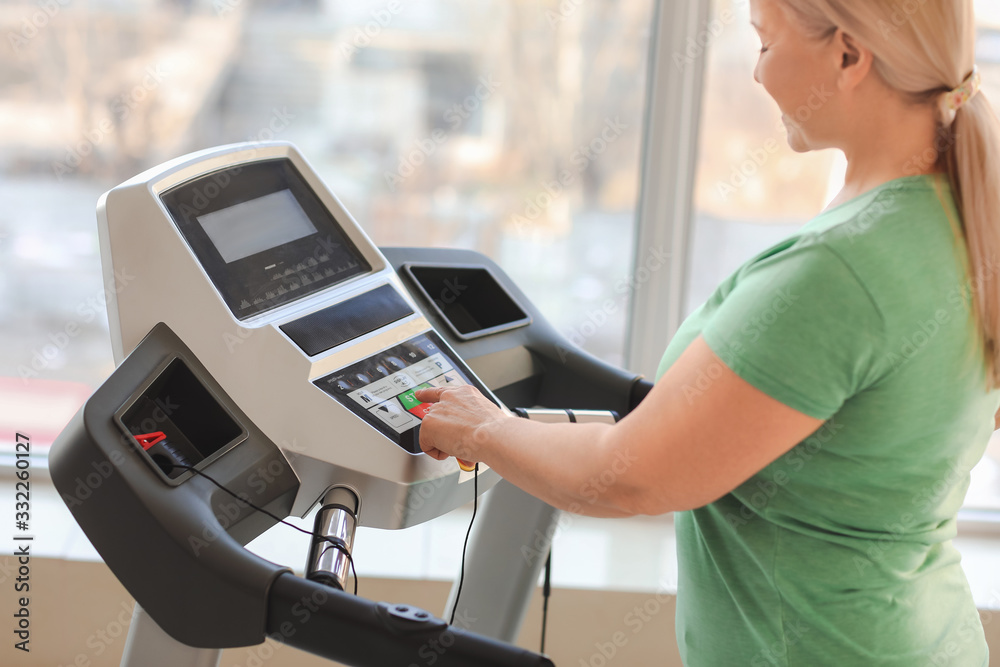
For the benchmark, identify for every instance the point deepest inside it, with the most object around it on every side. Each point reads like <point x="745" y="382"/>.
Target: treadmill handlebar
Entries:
<point x="360" y="633"/>
<point x="564" y="416"/>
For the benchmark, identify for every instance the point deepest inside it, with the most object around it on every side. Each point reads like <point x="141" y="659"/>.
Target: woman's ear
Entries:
<point x="855" y="60"/>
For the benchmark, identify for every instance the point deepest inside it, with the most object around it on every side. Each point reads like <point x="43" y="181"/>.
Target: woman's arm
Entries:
<point x="691" y="441"/>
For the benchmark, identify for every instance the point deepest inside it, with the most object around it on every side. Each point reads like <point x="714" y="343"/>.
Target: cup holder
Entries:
<point x="468" y="298"/>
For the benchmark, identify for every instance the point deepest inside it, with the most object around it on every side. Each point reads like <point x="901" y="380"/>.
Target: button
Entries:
<point x="420" y="410"/>
<point x="449" y="379"/>
<point x="392" y="414"/>
<point x="382" y="390"/>
<point x="402" y="381"/>
<point x="395" y="363"/>
<point x="440" y="361"/>
<point x="428" y="368"/>
<point x="410" y="401"/>
<point x="364" y="397"/>
<point x="422" y="372"/>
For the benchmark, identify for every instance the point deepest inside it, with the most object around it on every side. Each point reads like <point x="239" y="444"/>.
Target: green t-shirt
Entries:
<point x="839" y="552"/>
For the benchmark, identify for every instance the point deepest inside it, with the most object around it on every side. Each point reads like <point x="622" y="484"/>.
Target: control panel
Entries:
<point x="381" y="389"/>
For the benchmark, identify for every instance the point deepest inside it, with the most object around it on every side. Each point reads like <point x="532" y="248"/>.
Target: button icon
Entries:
<point x="410" y="401"/>
<point x="392" y="414"/>
<point x="450" y="379"/>
<point x="420" y="410"/>
<point x="402" y="381"/>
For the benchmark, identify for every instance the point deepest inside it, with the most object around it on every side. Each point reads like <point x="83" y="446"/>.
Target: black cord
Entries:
<point x="461" y="576"/>
<point x="546" y="592"/>
<point x="323" y="538"/>
<point x="339" y="547"/>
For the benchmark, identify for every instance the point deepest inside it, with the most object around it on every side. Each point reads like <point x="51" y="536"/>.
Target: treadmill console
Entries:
<point x="245" y="254"/>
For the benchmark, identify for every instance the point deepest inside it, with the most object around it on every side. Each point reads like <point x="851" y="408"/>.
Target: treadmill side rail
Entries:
<point x="361" y="633"/>
<point x="176" y="548"/>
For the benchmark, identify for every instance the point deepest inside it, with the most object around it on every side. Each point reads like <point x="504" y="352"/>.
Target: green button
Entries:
<point x="408" y="400"/>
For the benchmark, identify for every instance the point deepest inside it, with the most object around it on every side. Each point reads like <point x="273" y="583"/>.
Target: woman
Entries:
<point x="856" y="370"/>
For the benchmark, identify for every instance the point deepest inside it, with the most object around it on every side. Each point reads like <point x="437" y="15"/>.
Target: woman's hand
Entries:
<point x="460" y="423"/>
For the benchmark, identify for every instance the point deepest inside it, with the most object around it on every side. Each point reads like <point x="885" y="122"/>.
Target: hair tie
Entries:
<point x="959" y="97"/>
<point x="966" y="91"/>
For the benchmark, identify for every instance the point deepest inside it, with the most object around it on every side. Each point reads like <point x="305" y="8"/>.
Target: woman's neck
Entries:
<point x="879" y="151"/>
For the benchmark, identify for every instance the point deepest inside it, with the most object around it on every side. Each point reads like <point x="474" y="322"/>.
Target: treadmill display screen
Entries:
<point x="380" y="388"/>
<point x="256" y="225"/>
<point x="262" y="235"/>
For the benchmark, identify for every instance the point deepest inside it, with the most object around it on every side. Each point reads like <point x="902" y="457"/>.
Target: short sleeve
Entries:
<point x="801" y="327"/>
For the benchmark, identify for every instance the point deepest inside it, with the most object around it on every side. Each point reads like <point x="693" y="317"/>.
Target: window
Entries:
<point x="752" y="190"/>
<point x="508" y="127"/>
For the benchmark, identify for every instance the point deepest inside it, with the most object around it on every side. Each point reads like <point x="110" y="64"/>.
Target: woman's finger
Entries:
<point x="434" y="452"/>
<point x="429" y="394"/>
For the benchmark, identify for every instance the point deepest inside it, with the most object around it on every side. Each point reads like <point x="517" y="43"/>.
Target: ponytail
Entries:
<point x="973" y="166"/>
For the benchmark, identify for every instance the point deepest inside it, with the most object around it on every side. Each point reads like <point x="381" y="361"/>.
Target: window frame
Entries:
<point x="679" y="46"/>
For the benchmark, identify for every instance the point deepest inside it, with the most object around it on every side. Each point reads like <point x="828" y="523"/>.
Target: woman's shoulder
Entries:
<point x="912" y="213"/>
<point x="903" y="245"/>
<point x="905" y="230"/>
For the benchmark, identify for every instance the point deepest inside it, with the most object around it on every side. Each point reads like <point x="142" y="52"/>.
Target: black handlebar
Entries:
<point x="361" y="633"/>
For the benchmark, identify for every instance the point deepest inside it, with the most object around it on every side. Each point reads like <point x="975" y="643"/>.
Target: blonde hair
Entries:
<point x="924" y="49"/>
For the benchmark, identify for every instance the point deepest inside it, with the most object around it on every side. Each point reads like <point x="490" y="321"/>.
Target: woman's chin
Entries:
<point x="799" y="146"/>
<point x="796" y="141"/>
